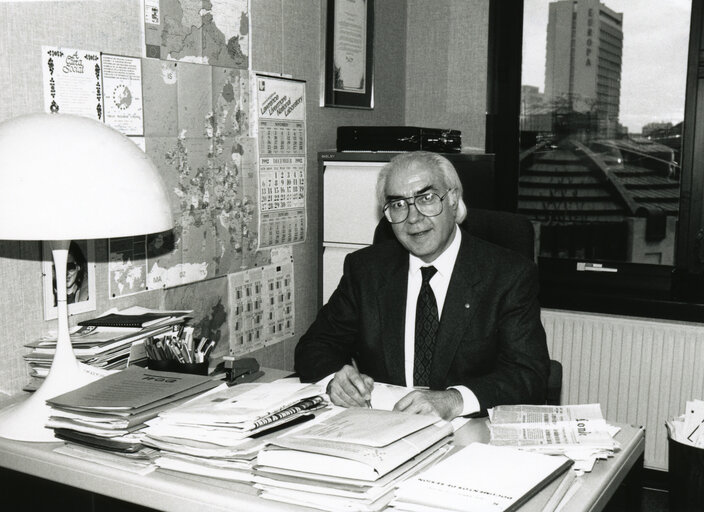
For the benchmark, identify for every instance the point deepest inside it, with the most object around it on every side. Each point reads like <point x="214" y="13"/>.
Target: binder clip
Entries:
<point x="241" y="370"/>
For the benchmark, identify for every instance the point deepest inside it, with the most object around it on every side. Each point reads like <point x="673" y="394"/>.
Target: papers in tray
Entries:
<point x="688" y="428"/>
<point x="480" y="477"/>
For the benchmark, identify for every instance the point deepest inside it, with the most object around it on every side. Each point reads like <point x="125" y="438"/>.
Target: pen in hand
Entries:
<point x="354" y="365"/>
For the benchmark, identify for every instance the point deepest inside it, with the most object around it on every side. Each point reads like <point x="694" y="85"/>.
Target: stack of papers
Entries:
<point x="220" y="433"/>
<point x="350" y="459"/>
<point x="106" y="342"/>
<point x="479" y="477"/>
<point x="577" y="431"/>
<point x="109" y="412"/>
<point x="689" y="427"/>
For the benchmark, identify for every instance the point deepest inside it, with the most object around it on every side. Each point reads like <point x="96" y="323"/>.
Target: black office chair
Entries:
<point x="512" y="231"/>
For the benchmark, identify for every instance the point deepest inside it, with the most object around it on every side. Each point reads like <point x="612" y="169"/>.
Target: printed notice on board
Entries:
<point x="72" y="82"/>
<point x="122" y="88"/>
<point x="281" y="129"/>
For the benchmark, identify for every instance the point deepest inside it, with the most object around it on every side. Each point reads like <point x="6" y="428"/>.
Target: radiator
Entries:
<point x="641" y="371"/>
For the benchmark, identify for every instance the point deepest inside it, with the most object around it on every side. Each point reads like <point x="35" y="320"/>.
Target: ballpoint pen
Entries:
<point x="354" y="365"/>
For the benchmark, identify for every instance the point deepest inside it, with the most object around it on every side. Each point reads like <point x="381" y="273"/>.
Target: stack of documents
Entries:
<point x="109" y="412"/>
<point x="220" y="433"/>
<point x="107" y="341"/>
<point x="689" y="427"/>
<point x="350" y="459"/>
<point x="479" y="477"/>
<point x="577" y="431"/>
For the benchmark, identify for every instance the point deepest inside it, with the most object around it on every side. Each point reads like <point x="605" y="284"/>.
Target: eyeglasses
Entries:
<point x="71" y="266"/>
<point x="428" y="204"/>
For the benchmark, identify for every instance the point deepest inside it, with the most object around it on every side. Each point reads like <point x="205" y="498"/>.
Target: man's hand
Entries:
<point x="349" y="388"/>
<point x="446" y="404"/>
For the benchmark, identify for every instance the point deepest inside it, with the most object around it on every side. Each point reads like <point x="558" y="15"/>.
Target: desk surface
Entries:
<point x="167" y="490"/>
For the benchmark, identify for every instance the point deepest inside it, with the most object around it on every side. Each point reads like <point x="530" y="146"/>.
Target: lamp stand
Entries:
<point x="25" y="420"/>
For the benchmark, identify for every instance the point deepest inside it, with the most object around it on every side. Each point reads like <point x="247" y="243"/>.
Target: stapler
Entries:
<point x="241" y="370"/>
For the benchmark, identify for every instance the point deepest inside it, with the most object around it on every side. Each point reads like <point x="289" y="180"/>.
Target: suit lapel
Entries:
<point x="392" y="312"/>
<point x="459" y="308"/>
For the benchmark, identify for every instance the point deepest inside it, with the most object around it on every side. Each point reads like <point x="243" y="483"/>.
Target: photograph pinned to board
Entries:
<point x="80" y="278"/>
<point x="349" y="62"/>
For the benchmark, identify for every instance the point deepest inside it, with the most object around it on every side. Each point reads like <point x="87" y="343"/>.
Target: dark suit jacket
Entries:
<point x="490" y="337"/>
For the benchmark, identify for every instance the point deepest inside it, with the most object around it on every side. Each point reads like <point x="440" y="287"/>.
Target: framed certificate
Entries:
<point x="349" y="63"/>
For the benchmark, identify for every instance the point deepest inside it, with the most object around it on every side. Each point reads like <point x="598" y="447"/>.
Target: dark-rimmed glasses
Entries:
<point x="428" y="204"/>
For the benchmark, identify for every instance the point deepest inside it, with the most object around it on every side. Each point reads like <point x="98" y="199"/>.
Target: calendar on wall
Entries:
<point x="281" y="133"/>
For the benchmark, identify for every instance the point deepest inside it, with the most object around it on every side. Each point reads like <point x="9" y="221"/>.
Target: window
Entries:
<point x="605" y="169"/>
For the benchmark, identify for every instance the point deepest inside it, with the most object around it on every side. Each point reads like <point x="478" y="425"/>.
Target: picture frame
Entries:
<point x="82" y="254"/>
<point x="349" y="57"/>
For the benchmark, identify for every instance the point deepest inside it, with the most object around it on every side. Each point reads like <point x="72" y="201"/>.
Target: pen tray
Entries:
<point x="170" y="365"/>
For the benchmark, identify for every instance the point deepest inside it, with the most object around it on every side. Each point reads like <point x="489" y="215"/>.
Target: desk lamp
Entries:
<point x="63" y="178"/>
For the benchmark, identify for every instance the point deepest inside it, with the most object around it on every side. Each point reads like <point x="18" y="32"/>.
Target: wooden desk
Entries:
<point x="172" y="491"/>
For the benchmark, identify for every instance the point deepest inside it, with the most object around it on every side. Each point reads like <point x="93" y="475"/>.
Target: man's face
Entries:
<point x="424" y="237"/>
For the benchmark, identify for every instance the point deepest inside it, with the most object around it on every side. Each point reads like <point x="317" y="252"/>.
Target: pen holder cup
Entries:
<point x="171" y="365"/>
<point x="685" y="476"/>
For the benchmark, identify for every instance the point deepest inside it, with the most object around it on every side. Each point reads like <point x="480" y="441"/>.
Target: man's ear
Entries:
<point x="454" y="196"/>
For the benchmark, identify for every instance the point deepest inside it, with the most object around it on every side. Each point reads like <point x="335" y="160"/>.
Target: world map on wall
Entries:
<point x="213" y="32"/>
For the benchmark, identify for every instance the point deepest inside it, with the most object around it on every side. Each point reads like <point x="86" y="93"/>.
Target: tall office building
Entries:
<point x="583" y="59"/>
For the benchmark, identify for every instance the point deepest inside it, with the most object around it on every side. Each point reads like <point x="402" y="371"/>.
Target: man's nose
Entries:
<point x="414" y="214"/>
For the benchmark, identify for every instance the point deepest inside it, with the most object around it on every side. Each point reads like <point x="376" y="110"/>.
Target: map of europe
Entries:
<point x="214" y="32"/>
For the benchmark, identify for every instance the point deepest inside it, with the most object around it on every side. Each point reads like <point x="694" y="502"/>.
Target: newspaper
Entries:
<point x="577" y="431"/>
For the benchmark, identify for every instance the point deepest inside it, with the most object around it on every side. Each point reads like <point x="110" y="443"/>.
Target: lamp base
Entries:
<point x="26" y="420"/>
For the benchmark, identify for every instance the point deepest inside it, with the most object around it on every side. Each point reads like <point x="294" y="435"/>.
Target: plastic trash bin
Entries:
<point x="685" y="477"/>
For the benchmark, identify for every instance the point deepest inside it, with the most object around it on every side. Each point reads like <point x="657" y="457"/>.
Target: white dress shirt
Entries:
<point x="444" y="264"/>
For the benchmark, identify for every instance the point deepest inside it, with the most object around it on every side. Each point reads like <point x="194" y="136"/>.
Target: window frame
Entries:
<point x="656" y="291"/>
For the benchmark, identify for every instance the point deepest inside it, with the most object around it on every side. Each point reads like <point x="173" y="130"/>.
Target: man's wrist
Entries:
<point x="470" y="404"/>
<point x="456" y="402"/>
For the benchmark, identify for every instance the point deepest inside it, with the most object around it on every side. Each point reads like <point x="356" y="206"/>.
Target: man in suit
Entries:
<point x="466" y="330"/>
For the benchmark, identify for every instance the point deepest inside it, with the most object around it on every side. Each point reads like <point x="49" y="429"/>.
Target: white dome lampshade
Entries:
<point x="63" y="178"/>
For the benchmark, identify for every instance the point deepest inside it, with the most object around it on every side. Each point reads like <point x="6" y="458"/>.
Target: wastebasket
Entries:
<point x="685" y="477"/>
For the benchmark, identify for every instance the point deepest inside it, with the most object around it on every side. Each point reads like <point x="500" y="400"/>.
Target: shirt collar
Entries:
<point x="443" y="263"/>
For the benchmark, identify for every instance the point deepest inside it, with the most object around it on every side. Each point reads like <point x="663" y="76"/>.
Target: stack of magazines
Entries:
<point x="220" y="433"/>
<point x="577" y="431"/>
<point x="106" y="341"/>
<point x="350" y="459"/>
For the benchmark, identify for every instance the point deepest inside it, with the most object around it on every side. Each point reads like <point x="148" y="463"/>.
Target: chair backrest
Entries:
<point x="510" y="230"/>
<point x="554" y="383"/>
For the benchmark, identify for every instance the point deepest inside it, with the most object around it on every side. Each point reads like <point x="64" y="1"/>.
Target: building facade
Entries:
<point x="583" y="61"/>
